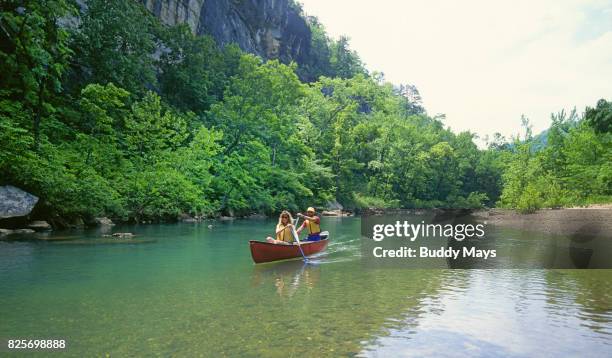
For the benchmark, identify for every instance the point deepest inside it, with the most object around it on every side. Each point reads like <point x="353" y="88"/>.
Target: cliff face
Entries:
<point x="268" y="28"/>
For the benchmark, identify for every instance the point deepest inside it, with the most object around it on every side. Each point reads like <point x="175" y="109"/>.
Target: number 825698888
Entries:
<point x="36" y="344"/>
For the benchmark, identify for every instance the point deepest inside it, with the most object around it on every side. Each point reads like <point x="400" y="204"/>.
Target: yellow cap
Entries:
<point x="311" y="209"/>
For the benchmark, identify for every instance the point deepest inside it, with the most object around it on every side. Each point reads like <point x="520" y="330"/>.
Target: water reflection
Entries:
<point x="287" y="277"/>
<point x="512" y="313"/>
<point x="196" y="291"/>
<point x="589" y="292"/>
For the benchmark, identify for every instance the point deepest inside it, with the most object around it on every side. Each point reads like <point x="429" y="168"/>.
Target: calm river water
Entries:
<point x="193" y="291"/>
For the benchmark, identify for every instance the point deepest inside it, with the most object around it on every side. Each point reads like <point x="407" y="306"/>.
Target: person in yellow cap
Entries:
<point x="312" y="222"/>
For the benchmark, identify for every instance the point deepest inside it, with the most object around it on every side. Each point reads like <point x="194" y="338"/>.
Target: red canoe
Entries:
<point x="267" y="252"/>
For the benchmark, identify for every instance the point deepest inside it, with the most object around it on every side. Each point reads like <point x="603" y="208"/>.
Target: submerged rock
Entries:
<point x="123" y="235"/>
<point x="15" y="202"/>
<point x="5" y="233"/>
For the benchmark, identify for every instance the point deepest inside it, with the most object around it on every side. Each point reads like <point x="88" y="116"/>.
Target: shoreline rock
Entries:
<point x="15" y="202"/>
<point x="40" y="225"/>
<point x="104" y="221"/>
<point x="336" y="213"/>
<point x="186" y="218"/>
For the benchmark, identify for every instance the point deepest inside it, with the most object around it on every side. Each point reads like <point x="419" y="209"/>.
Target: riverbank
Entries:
<point x="584" y="221"/>
<point x="595" y="220"/>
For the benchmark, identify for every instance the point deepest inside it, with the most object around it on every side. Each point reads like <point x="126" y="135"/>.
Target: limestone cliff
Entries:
<point x="268" y="28"/>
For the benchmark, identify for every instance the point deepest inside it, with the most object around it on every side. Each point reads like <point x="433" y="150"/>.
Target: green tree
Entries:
<point x="115" y="42"/>
<point x="33" y="58"/>
<point x="345" y="63"/>
<point x="600" y="117"/>
<point x="192" y="70"/>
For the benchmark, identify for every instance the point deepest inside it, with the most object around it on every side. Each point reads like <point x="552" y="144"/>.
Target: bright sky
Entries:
<point x="483" y="63"/>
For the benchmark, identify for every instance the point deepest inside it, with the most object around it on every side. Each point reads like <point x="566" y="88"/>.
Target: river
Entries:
<point x="190" y="290"/>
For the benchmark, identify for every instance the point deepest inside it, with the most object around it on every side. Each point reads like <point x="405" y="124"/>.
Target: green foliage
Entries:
<point x="529" y="200"/>
<point x="192" y="69"/>
<point x="573" y="168"/>
<point x="16" y="140"/>
<point x="265" y="164"/>
<point x="125" y="117"/>
<point x="115" y="42"/>
<point x="345" y="63"/>
<point x="364" y="202"/>
<point x="383" y="158"/>
<point x="33" y="59"/>
<point x="600" y="117"/>
<point x="162" y="193"/>
<point x="328" y="57"/>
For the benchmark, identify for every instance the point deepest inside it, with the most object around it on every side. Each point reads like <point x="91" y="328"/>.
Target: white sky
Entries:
<point x="483" y="63"/>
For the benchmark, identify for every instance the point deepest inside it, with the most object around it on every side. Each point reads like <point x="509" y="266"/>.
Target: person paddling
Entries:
<point x="283" y="230"/>
<point x="313" y="222"/>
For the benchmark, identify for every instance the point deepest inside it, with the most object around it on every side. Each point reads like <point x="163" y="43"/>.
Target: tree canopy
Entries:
<point x="116" y="114"/>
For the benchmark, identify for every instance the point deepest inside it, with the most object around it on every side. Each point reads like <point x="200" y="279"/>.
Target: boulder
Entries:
<point x="40" y="225"/>
<point x="104" y="221"/>
<point x="15" y="202"/>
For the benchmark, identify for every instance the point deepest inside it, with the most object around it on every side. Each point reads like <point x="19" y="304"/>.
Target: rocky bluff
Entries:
<point x="268" y="28"/>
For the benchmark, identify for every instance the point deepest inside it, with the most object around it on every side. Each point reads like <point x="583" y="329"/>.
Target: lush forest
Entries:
<point x="112" y="113"/>
<point x="570" y="164"/>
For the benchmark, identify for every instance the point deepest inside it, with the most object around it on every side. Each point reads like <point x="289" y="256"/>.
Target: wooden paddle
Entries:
<point x="297" y="239"/>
